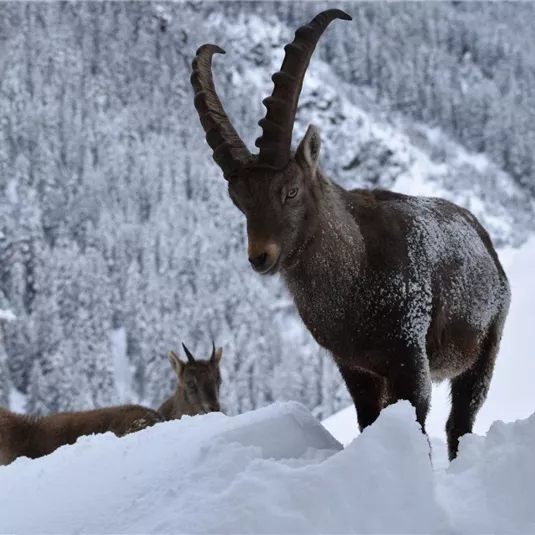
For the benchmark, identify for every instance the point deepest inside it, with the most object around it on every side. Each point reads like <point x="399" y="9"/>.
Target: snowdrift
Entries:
<point x="278" y="470"/>
<point x="274" y="470"/>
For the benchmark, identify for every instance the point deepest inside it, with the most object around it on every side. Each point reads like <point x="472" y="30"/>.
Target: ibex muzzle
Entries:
<point x="401" y="290"/>
<point x="263" y="254"/>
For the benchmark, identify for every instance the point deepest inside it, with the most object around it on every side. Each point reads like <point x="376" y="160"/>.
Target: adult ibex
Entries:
<point x="401" y="290"/>
<point x="198" y="385"/>
<point x="28" y="436"/>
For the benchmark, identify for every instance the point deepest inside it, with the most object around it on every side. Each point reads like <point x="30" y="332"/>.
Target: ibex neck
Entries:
<point x="324" y="278"/>
<point x="336" y="241"/>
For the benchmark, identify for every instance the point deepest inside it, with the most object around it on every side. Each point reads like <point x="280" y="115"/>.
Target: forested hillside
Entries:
<point x="113" y="215"/>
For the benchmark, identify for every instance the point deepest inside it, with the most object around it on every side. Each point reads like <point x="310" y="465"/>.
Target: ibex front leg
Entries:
<point x="409" y="378"/>
<point x="368" y="392"/>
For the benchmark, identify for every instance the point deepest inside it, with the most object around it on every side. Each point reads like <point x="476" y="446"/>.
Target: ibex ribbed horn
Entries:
<point x="230" y="153"/>
<point x="277" y="125"/>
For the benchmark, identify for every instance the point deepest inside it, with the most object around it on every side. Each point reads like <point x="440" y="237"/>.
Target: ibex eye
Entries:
<point x="191" y="384"/>
<point x="292" y="193"/>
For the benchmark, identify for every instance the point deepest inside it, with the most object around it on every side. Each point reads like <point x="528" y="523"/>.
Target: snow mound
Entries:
<point x="490" y="487"/>
<point x="275" y="470"/>
<point x="176" y="476"/>
<point x="343" y="425"/>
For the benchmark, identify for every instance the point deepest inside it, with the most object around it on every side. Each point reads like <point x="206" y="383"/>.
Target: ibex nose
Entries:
<point x="214" y="407"/>
<point x="259" y="260"/>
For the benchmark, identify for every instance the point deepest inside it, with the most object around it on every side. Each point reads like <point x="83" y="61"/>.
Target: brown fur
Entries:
<point x="401" y="290"/>
<point x="197" y="389"/>
<point x="27" y="436"/>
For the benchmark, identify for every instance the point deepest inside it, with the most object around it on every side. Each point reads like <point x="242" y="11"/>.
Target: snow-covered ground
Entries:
<point x="274" y="470"/>
<point x="7" y="315"/>
<point x="279" y="470"/>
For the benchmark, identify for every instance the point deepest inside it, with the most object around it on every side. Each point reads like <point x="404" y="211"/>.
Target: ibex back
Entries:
<point x="198" y="385"/>
<point x="27" y="436"/>
<point x="401" y="290"/>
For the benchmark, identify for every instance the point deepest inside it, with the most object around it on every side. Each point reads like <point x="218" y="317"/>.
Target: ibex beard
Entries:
<point x="401" y="290"/>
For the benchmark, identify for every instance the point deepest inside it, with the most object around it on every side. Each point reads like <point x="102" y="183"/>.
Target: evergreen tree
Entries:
<point x="6" y="316"/>
<point x="114" y="215"/>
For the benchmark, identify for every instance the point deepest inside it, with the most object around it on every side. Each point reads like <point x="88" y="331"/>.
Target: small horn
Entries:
<point x="213" y="350"/>
<point x="191" y="358"/>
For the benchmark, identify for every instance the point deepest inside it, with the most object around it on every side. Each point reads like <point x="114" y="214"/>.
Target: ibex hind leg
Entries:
<point x="469" y="390"/>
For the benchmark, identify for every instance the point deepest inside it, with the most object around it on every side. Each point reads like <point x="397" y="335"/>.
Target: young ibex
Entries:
<point x="33" y="437"/>
<point x="197" y="390"/>
<point x="402" y="290"/>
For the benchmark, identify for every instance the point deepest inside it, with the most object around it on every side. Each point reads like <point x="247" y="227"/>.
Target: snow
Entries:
<point x="178" y="476"/>
<point x="279" y="470"/>
<point x="121" y="367"/>
<point x="511" y="395"/>
<point x="7" y="315"/>
<point x="490" y="487"/>
<point x="343" y="425"/>
<point x="275" y="470"/>
<point x="17" y="401"/>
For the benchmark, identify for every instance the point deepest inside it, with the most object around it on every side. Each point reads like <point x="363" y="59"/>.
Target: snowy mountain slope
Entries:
<point x="511" y="394"/>
<point x="274" y="470"/>
<point x="115" y="219"/>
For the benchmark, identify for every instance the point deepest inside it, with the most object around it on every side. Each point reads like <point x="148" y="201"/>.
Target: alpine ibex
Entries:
<point x="197" y="390"/>
<point x="402" y="290"/>
<point x="33" y="437"/>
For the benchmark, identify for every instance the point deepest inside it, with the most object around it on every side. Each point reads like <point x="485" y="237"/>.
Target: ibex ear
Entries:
<point x="308" y="151"/>
<point x="218" y="354"/>
<point x="178" y="365"/>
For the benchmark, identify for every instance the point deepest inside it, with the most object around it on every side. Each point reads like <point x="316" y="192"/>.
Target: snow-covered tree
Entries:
<point x="114" y="215"/>
<point x="6" y="316"/>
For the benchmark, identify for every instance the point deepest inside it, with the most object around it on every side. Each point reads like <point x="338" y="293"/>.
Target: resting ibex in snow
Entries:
<point x="33" y="437"/>
<point x="401" y="290"/>
<point x="197" y="390"/>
